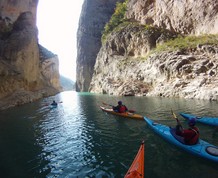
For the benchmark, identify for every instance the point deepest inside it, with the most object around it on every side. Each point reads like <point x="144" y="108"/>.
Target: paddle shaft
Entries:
<point x="174" y="115"/>
<point x="130" y="110"/>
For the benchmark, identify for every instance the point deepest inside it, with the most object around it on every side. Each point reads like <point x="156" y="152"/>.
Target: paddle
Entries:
<point x="179" y="125"/>
<point x="107" y="104"/>
<point x="175" y="117"/>
<point x="129" y="110"/>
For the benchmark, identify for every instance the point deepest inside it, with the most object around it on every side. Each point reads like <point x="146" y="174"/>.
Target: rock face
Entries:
<point x="26" y="72"/>
<point x="95" y="14"/>
<point x="182" y="74"/>
<point x="11" y="9"/>
<point x="121" y="68"/>
<point x="185" y="17"/>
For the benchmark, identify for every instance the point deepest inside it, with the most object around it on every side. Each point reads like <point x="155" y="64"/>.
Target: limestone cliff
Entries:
<point x="185" y="17"/>
<point x="95" y="14"/>
<point x="26" y="72"/>
<point x="125" y="66"/>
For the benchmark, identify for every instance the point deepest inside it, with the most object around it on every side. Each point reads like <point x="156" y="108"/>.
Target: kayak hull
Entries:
<point x="213" y="121"/>
<point x="126" y="114"/>
<point x="201" y="149"/>
<point x="136" y="169"/>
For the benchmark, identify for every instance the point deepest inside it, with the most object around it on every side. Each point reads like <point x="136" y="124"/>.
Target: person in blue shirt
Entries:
<point x="54" y="103"/>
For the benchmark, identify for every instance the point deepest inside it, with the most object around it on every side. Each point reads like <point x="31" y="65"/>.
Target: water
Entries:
<point x="77" y="139"/>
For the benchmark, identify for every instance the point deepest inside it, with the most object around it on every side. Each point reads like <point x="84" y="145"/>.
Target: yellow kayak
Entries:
<point x="136" y="170"/>
<point x="125" y="114"/>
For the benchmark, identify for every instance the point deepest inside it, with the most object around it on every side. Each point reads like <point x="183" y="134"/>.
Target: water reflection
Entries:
<point x="77" y="139"/>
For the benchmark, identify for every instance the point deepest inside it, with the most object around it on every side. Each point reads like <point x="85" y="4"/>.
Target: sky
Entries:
<point x="57" y="22"/>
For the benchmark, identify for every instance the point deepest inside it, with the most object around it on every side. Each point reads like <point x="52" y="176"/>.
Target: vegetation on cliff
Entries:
<point x="171" y="42"/>
<point x="116" y="19"/>
<point x="188" y="42"/>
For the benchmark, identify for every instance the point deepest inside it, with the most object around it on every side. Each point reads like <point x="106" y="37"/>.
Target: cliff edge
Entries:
<point x="95" y="14"/>
<point x="27" y="73"/>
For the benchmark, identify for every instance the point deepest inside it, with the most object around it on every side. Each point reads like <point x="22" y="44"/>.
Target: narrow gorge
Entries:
<point x="130" y="61"/>
<point x="135" y="58"/>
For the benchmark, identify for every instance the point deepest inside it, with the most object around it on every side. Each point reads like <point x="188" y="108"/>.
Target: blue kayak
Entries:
<point x="213" y="121"/>
<point x="201" y="149"/>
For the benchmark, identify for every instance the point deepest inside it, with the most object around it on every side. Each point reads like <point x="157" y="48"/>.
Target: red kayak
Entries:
<point x="137" y="168"/>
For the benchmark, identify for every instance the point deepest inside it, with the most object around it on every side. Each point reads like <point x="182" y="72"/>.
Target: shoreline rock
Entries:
<point x="21" y="97"/>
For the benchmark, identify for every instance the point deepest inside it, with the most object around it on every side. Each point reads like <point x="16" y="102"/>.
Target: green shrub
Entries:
<point x="116" y="19"/>
<point x="187" y="42"/>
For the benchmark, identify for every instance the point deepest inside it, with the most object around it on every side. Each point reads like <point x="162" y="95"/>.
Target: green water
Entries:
<point x="77" y="139"/>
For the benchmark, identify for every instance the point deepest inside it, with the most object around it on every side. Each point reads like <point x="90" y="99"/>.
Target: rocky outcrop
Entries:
<point x="95" y="14"/>
<point x="185" y="17"/>
<point x="11" y="9"/>
<point x="185" y="74"/>
<point x="26" y="72"/>
<point x="124" y="65"/>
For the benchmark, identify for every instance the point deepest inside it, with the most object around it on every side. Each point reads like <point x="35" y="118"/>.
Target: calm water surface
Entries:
<point x="77" y="139"/>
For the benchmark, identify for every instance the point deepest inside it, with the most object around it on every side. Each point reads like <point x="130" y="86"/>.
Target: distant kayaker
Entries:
<point x="190" y="135"/>
<point x="120" y="107"/>
<point x="54" y="103"/>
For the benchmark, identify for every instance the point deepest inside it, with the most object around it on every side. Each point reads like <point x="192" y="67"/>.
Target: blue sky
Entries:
<point x="57" y="22"/>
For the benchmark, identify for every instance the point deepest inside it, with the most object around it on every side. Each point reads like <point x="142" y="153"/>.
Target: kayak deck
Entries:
<point x="201" y="149"/>
<point x="136" y="169"/>
<point x="213" y="121"/>
<point x="126" y="114"/>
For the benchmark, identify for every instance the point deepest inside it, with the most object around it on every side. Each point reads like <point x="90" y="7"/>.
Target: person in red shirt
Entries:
<point x="120" y="107"/>
<point x="190" y="135"/>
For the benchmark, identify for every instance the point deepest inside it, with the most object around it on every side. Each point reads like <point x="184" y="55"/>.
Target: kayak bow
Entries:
<point x="125" y="114"/>
<point x="201" y="149"/>
<point x="136" y="170"/>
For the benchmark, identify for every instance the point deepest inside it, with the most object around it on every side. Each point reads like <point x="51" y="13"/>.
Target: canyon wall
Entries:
<point x="95" y="14"/>
<point x="185" y="17"/>
<point x="125" y="66"/>
<point x="27" y="73"/>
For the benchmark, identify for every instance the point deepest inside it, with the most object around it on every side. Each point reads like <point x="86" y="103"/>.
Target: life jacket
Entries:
<point x="122" y="109"/>
<point x="194" y="139"/>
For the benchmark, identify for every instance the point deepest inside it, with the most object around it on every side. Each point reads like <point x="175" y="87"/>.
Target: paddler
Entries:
<point x="120" y="107"/>
<point x="190" y="135"/>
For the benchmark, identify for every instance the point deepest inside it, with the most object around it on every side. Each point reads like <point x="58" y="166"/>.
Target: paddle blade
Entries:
<point x="175" y="117"/>
<point x="107" y="104"/>
<point x="131" y="111"/>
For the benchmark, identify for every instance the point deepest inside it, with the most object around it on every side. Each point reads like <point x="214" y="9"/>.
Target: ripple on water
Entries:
<point x="77" y="139"/>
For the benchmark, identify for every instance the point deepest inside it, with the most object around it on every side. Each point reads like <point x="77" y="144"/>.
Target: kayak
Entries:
<point x="125" y="114"/>
<point x="136" y="169"/>
<point x="213" y="121"/>
<point x="53" y="106"/>
<point x="201" y="149"/>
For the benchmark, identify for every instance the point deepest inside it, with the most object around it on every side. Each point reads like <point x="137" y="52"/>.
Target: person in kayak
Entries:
<point x="54" y="103"/>
<point x="120" y="107"/>
<point x="190" y="135"/>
